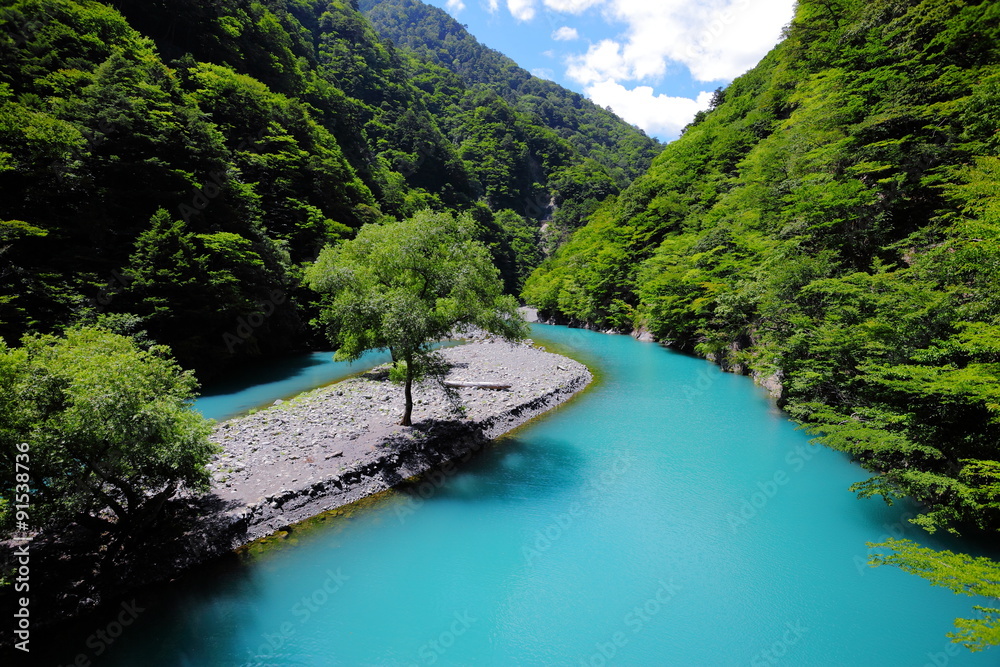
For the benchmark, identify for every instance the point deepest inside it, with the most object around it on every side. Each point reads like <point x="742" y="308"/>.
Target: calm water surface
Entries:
<point x="265" y="382"/>
<point x="668" y="516"/>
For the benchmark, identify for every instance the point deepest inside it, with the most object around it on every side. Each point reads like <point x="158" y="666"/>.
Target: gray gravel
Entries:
<point x="336" y="444"/>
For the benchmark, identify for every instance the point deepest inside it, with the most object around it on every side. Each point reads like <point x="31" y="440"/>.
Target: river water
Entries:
<point x="669" y="515"/>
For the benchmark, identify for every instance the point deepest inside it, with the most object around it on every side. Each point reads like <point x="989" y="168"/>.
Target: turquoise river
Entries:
<point x="669" y="515"/>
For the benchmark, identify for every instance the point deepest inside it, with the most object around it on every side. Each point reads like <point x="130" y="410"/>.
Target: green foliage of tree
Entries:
<point x="967" y="575"/>
<point x="295" y="166"/>
<point x="405" y="285"/>
<point x="107" y="427"/>
<point x="522" y="239"/>
<point x="194" y="290"/>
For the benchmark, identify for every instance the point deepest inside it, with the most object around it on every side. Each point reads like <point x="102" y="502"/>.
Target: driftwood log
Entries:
<point x="477" y="385"/>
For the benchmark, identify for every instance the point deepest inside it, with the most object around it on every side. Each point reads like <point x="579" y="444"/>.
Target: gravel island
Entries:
<point x="333" y="445"/>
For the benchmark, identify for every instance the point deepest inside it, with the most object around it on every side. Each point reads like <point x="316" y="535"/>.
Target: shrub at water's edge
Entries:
<point x="100" y="432"/>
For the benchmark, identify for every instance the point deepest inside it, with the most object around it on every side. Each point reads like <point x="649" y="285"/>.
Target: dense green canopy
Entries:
<point x="267" y="129"/>
<point x="104" y="430"/>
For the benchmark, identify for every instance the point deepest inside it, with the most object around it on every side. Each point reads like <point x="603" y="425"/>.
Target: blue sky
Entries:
<point x="655" y="62"/>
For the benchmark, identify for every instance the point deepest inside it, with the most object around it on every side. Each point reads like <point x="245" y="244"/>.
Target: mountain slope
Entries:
<point x="833" y="227"/>
<point x="439" y="39"/>
<point x="833" y="223"/>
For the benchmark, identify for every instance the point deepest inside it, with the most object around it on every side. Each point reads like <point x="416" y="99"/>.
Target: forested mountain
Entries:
<point x="166" y="168"/>
<point x="437" y="38"/>
<point x="834" y="223"/>
<point x="507" y="122"/>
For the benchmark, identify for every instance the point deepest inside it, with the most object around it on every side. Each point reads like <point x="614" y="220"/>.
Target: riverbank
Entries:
<point x="321" y="450"/>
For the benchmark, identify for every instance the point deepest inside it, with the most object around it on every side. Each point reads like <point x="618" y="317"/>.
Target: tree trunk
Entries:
<point x="150" y="510"/>
<point x="408" y="392"/>
<point x="93" y="523"/>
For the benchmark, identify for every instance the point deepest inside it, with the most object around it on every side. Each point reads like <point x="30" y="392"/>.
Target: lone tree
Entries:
<point x="406" y="285"/>
<point x="102" y="429"/>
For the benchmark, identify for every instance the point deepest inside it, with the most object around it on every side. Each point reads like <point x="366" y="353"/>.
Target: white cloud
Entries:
<point x="659" y="115"/>
<point x="565" y="34"/>
<point x="493" y="6"/>
<point x="455" y="6"/>
<point x="571" y="6"/>
<point x="543" y="73"/>
<point x="522" y="10"/>
<point x="602" y="61"/>
<point x="716" y="40"/>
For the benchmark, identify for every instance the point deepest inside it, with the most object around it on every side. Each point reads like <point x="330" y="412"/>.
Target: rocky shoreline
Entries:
<point x="772" y="382"/>
<point x="534" y="315"/>
<point x="298" y="458"/>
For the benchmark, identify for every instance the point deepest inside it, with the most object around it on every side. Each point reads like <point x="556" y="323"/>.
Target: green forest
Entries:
<point x="171" y="170"/>
<point x="833" y="224"/>
<point x="167" y="169"/>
